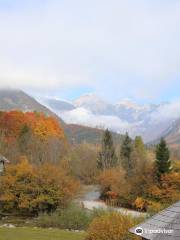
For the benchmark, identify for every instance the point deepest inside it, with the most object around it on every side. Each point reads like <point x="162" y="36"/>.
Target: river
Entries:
<point x="90" y="200"/>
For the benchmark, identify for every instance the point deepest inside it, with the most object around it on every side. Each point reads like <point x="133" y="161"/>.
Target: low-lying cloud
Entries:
<point x="167" y="112"/>
<point x="159" y="119"/>
<point x="84" y="117"/>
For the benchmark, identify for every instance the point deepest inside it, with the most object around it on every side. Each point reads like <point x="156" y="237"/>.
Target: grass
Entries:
<point x="22" y="233"/>
<point x="72" y="217"/>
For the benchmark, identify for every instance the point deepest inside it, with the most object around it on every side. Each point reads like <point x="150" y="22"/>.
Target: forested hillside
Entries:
<point x="80" y="134"/>
<point x="33" y="134"/>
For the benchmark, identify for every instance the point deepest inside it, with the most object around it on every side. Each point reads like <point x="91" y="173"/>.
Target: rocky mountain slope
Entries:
<point x="172" y="133"/>
<point x="11" y="99"/>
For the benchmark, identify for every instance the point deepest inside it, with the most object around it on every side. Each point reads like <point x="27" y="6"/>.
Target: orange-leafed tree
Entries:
<point x="169" y="189"/>
<point x="112" y="183"/>
<point x="28" y="189"/>
<point x="41" y="138"/>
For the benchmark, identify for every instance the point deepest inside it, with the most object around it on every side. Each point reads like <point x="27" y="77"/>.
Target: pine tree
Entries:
<point x="107" y="157"/>
<point x="163" y="163"/>
<point x="24" y="139"/>
<point x="126" y="158"/>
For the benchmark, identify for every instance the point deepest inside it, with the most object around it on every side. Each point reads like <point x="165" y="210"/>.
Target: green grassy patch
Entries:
<point x="22" y="233"/>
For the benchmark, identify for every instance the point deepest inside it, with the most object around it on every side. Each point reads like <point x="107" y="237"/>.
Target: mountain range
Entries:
<point x="11" y="99"/>
<point x="148" y="120"/>
<point x="85" y="118"/>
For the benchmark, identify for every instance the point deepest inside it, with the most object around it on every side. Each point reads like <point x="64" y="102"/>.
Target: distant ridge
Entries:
<point x="172" y="134"/>
<point x="79" y="134"/>
<point x="13" y="99"/>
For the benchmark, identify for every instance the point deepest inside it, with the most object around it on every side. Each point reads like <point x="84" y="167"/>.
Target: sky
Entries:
<point x="116" y="49"/>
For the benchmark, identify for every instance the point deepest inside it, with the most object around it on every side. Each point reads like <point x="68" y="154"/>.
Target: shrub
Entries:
<point x="111" y="226"/>
<point x="72" y="217"/>
<point x="154" y="207"/>
<point x="141" y="204"/>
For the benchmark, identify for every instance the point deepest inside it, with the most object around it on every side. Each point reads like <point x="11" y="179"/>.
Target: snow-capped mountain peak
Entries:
<point x="88" y="99"/>
<point x="128" y="103"/>
<point x="91" y="102"/>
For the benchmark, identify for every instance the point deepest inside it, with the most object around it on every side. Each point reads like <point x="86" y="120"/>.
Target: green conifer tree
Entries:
<point x="126" y="158"/>
<point x="163" y="163"/>
<point x="107" y="157"/>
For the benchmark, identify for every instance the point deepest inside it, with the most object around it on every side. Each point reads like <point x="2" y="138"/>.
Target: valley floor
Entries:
<point x="21" y="233"/>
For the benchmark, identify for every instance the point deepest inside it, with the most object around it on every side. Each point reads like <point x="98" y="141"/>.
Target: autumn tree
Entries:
<point x="163" y="163"/>
<point x="140" y="148"/>
<point x="169" y="189"/>
<point x="140" y="155"/>
<point x="83" y="162"/>
<point x="107" y="157"/>
<point x="112" y="182"/>
<point x="28" y="189"/>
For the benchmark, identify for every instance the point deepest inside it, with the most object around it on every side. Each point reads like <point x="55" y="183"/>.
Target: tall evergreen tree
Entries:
<point x="24" y="139"/>
<point x="126" y="158"/>
<point x="163" y="163"/>
<point x="107" y="157"/>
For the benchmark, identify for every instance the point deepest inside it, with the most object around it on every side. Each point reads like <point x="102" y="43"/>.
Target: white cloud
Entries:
<point x="166" y="112"/>
<point x="85" y="117"/>
<point x="132" y="46"/>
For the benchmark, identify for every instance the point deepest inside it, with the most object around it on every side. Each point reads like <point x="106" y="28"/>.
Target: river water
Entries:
<point x="90" y="200"/>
